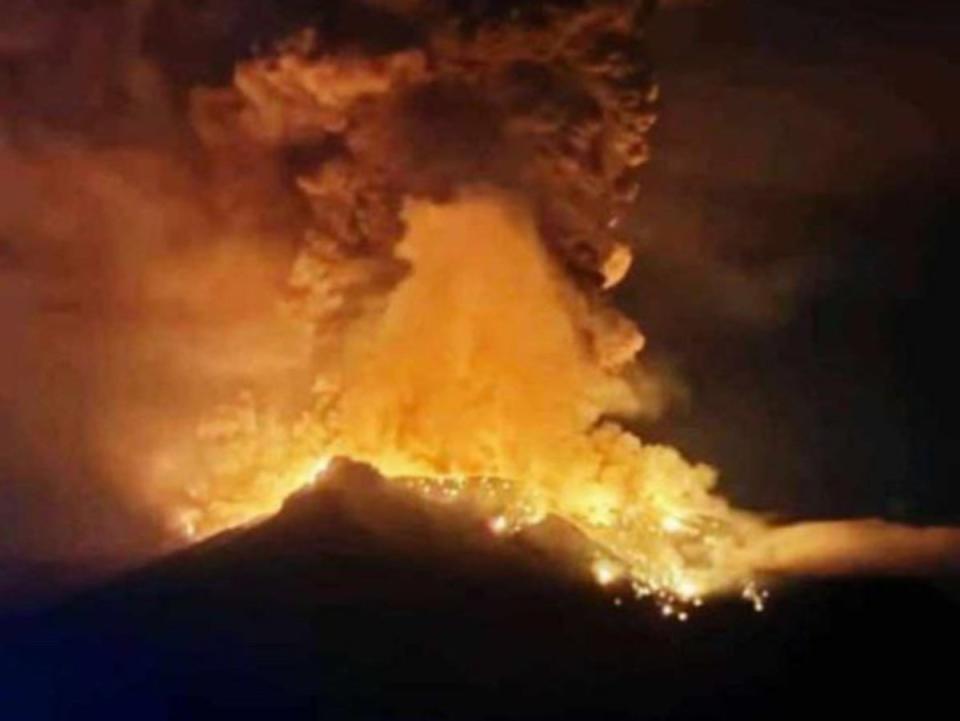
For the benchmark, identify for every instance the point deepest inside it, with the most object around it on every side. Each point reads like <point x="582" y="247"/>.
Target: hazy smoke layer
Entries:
<point x="135" y="292"/>
<point x="832" y="548"/>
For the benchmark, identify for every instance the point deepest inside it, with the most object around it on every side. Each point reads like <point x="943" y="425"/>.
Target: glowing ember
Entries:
<point x="606" y="572"/>
<point x="499" y="525"/>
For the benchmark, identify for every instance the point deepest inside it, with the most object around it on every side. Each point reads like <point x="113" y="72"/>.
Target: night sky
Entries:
<point x="799" y="226"/>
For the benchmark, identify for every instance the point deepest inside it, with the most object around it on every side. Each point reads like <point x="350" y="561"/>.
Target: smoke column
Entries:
<point x="390" y="236"/>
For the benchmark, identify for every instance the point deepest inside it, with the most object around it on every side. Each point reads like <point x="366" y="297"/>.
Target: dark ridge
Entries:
<point x="359" y="602"/>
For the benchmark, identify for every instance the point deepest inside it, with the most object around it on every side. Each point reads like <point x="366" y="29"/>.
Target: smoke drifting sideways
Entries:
<point x="866" y="548"/>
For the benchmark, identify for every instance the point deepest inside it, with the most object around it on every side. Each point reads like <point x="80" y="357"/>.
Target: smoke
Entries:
<point x="482" y="337"/>
<point x="475" y="379"/>
<point x="135" y="294"/>
<point x="424" y="368"/>
<point x="464" y="196"/>
<point x="395" y="246"/>
<point x="147" y="278"/>
<point x="130" y="304"/>
<point x="144" y="276"/>
<point x="867" y="547"/>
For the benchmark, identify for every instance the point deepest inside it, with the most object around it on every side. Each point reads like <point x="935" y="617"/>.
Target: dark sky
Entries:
<point x="799" y="221"/>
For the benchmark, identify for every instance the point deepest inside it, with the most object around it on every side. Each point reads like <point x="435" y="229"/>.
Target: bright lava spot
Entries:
<point x="687" y="590"/>
<point x="318" y="469"/>
<point x="606" y="572"/>
<point x="499" y="525"/>
<point x="672" y="524"/>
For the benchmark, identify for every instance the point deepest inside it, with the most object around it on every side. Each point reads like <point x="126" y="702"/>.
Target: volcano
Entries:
<point x="244" y="237"/>
<point x="361" y="601"/>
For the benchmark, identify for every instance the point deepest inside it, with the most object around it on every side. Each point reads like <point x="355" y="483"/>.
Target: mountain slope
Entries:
<point x="358" y="601"/>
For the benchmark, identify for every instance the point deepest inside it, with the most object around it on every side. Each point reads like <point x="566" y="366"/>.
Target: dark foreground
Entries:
<point x="349" y="606"/>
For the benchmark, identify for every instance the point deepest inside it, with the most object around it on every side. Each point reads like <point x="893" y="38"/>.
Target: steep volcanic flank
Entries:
<point x="360" y="601"/>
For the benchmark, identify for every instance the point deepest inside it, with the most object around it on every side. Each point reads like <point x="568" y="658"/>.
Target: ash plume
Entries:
<point x="465" y="181"/>
<point x="114" y="238"/>
<point x="551" y="102"/>
<point x="551" y="106"/>
<point x="171" y="253"/>
<point x="265" y="237"/>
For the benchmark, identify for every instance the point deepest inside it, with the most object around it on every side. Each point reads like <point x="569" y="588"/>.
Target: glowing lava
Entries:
<point x="475" y="382"/>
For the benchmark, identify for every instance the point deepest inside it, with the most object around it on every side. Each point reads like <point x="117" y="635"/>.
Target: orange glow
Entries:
<point x="473" y="383"/>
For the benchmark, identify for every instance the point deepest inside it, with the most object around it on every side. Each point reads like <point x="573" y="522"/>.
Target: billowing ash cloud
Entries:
<point x="463" y="177"/>
<point x="151" y="264"/>
<point x="388" y="227"/>
<point x="374" y="104"/>
<point x="554" y="102"/>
